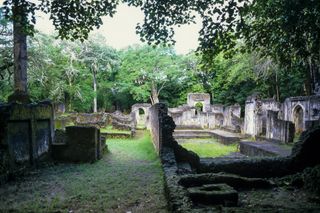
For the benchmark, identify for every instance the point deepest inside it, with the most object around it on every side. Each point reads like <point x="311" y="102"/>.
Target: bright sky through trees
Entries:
<point x="120" y="30"/>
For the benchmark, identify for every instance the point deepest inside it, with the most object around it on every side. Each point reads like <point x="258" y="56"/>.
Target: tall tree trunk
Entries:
<point x="154" y="94"/>
<point x="314" y="75"/>
<point x="277" y="88"/>
<point x="20" y="56"/>
<point x="308" y="81"/>
<point x="95" y="91"/>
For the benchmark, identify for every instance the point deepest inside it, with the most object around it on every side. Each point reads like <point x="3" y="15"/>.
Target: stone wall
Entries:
<point x="155" y="114"/>
<point x="210" y="117"/>
<point x="140" y="120"/>
<point x="303" y="112"/>
<point x="256" y="114"/>
<point x="117" y="119"/>
<point x="121" y="121"/>
<point x="279" y="130"/>
<point x="78" y="144"/>
<point x="188" y="117"/>
<point x="307" y="106"/>
<point x="231" y="118"/>
<point x="204" y="98"/>
<point x="26" y="133"/>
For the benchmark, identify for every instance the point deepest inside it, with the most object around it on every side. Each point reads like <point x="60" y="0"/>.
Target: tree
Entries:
<point x="285" y="30"/>
<point x="146" y="71"/>
<point x="73" y="21"/>
<point x="98" y="58"/>
<point x="6" y="57"/>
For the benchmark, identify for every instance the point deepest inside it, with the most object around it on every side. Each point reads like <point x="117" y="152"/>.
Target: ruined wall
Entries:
<point x="117" y="119"/>
<point x="26" y="133"/>
<point x="303" y="112"/>
<point x="212" y="116"/>
<point x="140" y="120"/>
<point x="121" y="121"/>
<point x="255" y="120"/>
<point x="279" y="130"/>
<point x="204" y="98"/>
<point x="156" y="113"/>
<point x="308" y="106"/>
<point x="231" y="118"/>
<point x="78" y="144"/>
<point x="188" y="117"/>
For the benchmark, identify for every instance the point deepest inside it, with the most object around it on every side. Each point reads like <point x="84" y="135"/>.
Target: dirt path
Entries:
<point x="127" y="179"/>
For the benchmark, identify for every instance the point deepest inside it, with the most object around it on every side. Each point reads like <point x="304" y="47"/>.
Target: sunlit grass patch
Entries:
<point x="212" y="149"/>
<point x="141" y="148"/>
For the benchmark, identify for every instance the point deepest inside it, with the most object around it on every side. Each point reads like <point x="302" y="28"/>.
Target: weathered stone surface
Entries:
<point x="214" y="194"/>
<point x="304" y="154"/>
<point x="178" y="199"/>
<point x="235" y="181"/>
<point x="279" y="122"/>
<point x="279" y="130"/>
<point x="140" y="119"/>
<point x="209" y="117"/>
<point x="263" y="149"/>
<point x="26" y="132"/>
<point x="81" y="144"/>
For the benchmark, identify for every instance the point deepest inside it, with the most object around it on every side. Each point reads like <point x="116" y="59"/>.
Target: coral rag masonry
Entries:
<point x="194" y="184"/>
<point x="27" y="133"/>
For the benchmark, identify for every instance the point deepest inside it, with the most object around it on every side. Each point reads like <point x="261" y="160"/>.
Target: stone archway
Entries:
<point x="298" y="117"/>
<point x="140" y="115"/>
<point x="141" y="118"/>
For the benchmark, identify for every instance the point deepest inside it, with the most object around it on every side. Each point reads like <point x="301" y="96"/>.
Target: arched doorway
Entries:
<point x="199" y="108"/>
<point x="298" y="118"/>
<point x="141" y="118"/>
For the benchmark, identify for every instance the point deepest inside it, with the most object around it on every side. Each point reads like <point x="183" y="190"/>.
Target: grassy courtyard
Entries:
<point x="208" y="147"/>
<point x="128" y="178"/>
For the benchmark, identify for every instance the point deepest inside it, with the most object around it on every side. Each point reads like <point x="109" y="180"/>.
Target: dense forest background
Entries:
<point x="90" y="75"/>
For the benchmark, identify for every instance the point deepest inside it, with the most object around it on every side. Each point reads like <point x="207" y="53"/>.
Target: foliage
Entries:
<point x="81" y="16"/>
<point x="6" y="57"/>
<point x="145" y="72"/>
<point x="235" y="78"/>
<point x="63" y="71"/>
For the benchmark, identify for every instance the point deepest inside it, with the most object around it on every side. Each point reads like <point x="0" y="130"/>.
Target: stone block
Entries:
<point x="82" y="144"/>
<point x="214" y="194"/>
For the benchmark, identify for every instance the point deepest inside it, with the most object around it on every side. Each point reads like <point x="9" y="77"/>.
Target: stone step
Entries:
<point x="195" y="136"/>
<point x="189" y="134"/>
<point x="263" y="148"/>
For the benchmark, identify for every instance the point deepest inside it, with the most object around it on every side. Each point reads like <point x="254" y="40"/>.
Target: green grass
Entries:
<point x="209" y="149"/>
<point x="128" y="178"/>
<point x="140" y="147"/>
<point x="110" y="129"/>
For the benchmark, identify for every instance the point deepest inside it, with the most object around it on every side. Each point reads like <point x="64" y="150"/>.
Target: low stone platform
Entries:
<point x="190" y="134"/>
<point x="263" y="149"/>
<point x="226" y="137"/>
<point x="223" y="136"/>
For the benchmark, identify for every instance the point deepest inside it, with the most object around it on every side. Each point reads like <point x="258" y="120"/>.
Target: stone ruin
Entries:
<point x="197" y="185"/>
<point x="210" y="116"/>
<point x="99" y="120"/>
<point x="28" y="138"/>
<point x="272" y="120"/>
<point x="140" y="115"/>
<point x="26" y="135"/>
